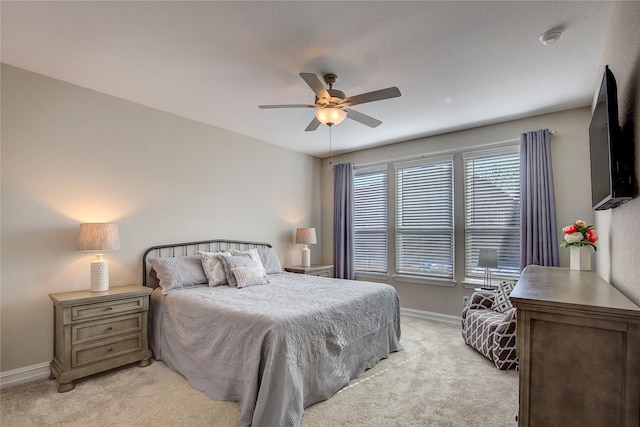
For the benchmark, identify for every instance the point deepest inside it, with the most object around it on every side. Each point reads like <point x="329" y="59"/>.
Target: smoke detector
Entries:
<point x="550" y="37"/>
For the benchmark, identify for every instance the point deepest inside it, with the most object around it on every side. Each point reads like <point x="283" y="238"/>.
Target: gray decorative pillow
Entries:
<point x="253" y="253"/>
<point x="501" y="302"/>
<point x="270" y="260"/>
<point x="248" y="276"/>
<point x="178" y="272"/>
<point x="213" y="268"/>
<point x="234" y="261"/>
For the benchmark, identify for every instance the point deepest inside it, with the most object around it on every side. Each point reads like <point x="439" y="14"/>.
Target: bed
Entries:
<point x="274" y="347"/>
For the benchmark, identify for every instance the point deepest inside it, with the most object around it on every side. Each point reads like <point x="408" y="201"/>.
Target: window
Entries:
<point x="492" y="210"/>
<point x="405" y="224"/>
<point x="370" y="220"/>
<point x="424" y="218"/>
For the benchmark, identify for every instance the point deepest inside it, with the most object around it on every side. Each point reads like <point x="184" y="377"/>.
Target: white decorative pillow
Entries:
<point x="248" y="276"/>
<point x="270" y="260"/>
<point x="234" y="261"/>
<point x="253" y="253"/>
<point x="178" y="272"/>
<point x="501" y="302"/>
<point x="213" y="268"/>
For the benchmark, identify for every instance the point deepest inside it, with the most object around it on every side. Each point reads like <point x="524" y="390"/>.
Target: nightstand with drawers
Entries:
<point x="97" y="331"/>
<point x="323" y="270"/>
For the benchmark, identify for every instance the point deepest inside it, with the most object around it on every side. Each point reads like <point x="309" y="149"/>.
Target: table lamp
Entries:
<point x="306" y="236"/>
<point x="98" y="237"/>
<point x="488" y="259"/>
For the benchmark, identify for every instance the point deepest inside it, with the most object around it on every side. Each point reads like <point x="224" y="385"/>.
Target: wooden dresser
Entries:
<point x="578" y="348"/>
<point x="96" y="331"/>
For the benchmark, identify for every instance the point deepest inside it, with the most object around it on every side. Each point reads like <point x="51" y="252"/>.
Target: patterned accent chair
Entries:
<point x="489" y="326"/>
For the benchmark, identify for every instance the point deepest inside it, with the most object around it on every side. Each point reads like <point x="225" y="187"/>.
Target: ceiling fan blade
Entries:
<point x="362" y="118"/>
<point x="288" y="106"/>
<point x="313" y="125"/>
<point x="376" y="95"/>
<point x="316" y="85"/>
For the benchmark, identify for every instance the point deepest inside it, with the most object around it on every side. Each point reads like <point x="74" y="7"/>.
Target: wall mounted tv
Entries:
<point x="611" y="155"/>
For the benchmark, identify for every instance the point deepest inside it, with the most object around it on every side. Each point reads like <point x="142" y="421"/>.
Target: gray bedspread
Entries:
<point x="276" y="348"/>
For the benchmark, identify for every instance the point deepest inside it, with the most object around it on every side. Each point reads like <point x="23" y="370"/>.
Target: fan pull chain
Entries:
<point x="330" y="151"/>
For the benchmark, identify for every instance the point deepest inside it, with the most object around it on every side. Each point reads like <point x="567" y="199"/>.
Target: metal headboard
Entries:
<point x="192" y="248"/>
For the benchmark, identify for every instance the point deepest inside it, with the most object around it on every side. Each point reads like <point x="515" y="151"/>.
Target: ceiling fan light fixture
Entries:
<point x="330" y="115"/>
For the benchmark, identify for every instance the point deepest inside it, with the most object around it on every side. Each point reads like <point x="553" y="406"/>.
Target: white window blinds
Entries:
<point x="370" y="220"/>
<point x="492" y="210"/>
<point x="424" y="218"/>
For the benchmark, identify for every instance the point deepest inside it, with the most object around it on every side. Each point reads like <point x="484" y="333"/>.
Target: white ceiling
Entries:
<point x="457" y="64"/>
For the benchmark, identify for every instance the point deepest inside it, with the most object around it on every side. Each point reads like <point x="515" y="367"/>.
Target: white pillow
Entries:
<point x="213" y="268"/>
<point x="248" y="276"/>
<point x="255" y="257"/>
<point x="233" y="261"/>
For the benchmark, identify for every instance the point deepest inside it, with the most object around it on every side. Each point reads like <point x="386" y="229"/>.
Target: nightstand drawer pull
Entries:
<point x="109" y="308"/>
<point x="110" y="349"/>
<point x="110" y="328"/>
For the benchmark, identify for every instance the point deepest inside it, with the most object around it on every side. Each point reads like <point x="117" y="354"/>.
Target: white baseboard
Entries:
<point x="429" y="315"/>
<point x="24" y="375"/>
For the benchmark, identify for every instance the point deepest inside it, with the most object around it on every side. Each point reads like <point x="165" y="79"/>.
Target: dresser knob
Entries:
<point x="109" y="308"/>
<point x="110" y="328"/>
<point x="110" y="349"/>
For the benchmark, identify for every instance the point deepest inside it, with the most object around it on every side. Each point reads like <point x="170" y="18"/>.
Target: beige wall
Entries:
<point x="618" y="258"/>
<point x="570" y="159"/>
<point x="72" y="155"/>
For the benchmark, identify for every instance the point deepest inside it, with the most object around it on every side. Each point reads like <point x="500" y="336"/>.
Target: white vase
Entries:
<point x="580" y="257"/>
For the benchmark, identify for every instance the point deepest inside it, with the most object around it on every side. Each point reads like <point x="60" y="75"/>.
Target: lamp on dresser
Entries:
<point x="306" y="236"/>
<point x="98" y="237"/>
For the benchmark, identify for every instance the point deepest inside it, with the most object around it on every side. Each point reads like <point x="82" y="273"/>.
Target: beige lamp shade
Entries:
<point x="306" y="236"/>
<point x="98" y="237"/>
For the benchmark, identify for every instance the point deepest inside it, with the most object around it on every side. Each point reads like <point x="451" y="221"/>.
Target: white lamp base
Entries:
<point x="99" y="275"/>
<point x="306" y="256"/>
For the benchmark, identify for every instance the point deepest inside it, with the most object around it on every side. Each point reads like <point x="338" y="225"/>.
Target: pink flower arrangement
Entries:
<point x="578" y="233"/>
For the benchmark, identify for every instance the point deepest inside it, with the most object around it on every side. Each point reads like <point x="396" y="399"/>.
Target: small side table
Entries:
<point x="323" y="270"/>
<point x="97" y="331"/>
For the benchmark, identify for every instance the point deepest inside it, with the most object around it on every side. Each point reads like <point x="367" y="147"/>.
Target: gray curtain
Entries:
<point x="538" y="230"/>
<point x="343" y="258"/>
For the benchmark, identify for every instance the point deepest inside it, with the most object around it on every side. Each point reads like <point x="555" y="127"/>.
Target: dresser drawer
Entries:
<point x="101" y="329"/>
<point x="109" y="308"/>
<point x="86" y="355"/>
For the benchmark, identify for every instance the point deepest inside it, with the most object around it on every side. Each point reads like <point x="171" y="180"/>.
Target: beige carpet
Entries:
<point x="436" y="380"/>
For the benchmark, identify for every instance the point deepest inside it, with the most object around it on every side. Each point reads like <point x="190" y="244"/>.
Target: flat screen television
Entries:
<point x="611" y="157"/>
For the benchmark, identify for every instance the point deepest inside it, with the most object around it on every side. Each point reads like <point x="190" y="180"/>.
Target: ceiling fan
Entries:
<point x="330" y="104"/>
